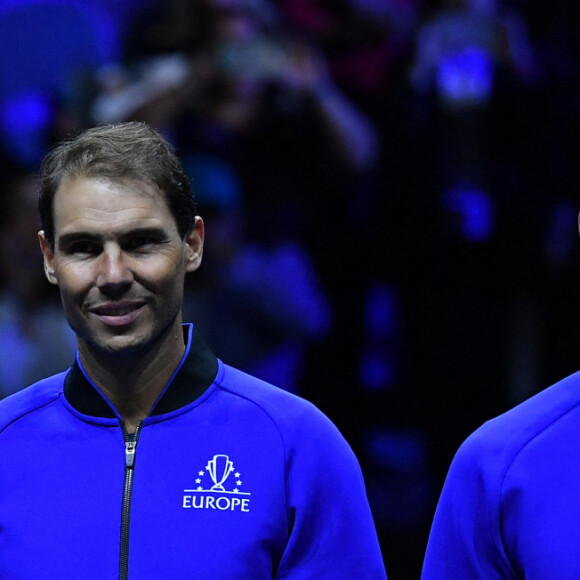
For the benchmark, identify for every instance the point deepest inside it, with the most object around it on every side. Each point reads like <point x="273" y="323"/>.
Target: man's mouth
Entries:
<point x="117" y="314"/>
<point x="115" y="310"/>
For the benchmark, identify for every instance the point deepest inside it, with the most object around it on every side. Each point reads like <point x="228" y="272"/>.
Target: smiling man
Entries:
<point x="150" y="458"/>
<point x="120" y="262"/>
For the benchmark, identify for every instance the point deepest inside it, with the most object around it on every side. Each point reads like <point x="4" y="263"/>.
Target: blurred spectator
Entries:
<point x="49" y="50"/>
<point x="34" y="334"/>
<point x="460" y="48"/>
<point x="267" y="297"/>
<point x="461" y="53"/>
<point x="361" y="39"/>
<point x="240" y="59"/>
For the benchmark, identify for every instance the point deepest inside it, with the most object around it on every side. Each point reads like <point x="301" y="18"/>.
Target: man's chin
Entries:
<point x="132" y="341"/>
<point x="121" y="346"/>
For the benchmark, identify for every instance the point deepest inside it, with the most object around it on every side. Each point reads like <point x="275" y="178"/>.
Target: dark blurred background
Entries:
<point x="390" y="192"/>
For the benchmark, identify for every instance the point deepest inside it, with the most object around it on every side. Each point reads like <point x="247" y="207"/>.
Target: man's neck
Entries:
<point x="133" y="382"/>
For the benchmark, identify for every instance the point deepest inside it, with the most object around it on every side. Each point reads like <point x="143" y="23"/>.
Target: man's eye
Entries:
<point x="83" y="247"/>
<point x="139" y="242"/>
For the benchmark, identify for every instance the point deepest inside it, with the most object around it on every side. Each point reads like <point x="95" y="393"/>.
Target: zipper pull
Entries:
<point x="131" y="440"/>
<point x="130" y="447"/>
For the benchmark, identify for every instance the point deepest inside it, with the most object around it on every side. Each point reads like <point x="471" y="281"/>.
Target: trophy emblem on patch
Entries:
<point x="219" y="469"/>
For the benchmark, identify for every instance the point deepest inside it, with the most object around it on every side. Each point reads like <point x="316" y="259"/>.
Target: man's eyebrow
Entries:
<point x="67" y="239"/>
<point x="147" y="232"/>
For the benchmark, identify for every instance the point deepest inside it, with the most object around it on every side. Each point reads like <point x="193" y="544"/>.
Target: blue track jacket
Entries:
<point x="510" y="507"/>
<point x="229" y="477"/>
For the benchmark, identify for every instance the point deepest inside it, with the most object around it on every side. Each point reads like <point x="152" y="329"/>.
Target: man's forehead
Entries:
<point x="120" y="185"/>
<point x="103" y="205"/>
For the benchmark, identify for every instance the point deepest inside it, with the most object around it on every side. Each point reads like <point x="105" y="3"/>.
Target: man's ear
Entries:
<point x="194" y="249"/>
<point x="48" y="256"/>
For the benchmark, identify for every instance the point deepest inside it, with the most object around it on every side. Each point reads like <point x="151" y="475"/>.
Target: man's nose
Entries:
<point x="113" y="269"/>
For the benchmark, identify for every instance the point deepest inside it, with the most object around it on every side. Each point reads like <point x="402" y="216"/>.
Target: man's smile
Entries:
<point x="118" y="313"/>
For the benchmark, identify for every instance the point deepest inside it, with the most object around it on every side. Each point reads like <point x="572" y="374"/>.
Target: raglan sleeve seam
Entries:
<point x="28" y="412"/>
<point x="517" y="453"/>
<point x="282" y="440"/>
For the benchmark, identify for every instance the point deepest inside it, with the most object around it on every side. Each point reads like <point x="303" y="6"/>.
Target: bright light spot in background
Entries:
<point x="474" y="210"/>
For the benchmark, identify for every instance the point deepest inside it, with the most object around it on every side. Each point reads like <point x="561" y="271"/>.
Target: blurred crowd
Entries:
<point x="389" y="190"/>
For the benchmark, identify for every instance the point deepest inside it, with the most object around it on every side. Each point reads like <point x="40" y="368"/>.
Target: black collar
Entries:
<point x="196" y="374"/>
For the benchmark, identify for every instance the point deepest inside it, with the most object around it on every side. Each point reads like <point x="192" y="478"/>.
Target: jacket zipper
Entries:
<point x="131" y="440"/>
